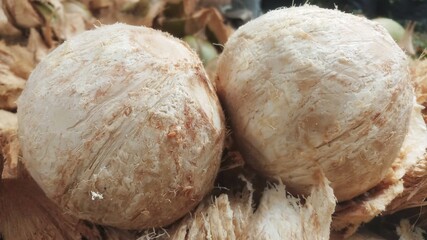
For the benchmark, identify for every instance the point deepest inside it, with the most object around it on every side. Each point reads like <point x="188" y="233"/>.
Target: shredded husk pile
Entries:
<point x="248" y="208"/>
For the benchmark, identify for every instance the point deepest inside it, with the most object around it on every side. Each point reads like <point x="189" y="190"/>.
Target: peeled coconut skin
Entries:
<point x="120" y="126"/>
<point x="308" y="88"/>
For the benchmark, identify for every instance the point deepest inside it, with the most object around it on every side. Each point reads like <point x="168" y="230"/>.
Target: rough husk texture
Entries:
<point x="121" y="126"/>
<point x="11" y="87"/>
<point x="406" y="231"/>
<point x="415" y="179"/>
<point x="27" y="214"/>
<point x="9" y="145"/>
<point x="351" y="214"/>
<point x="278" y="216"/>
<point x="302" y="99"/>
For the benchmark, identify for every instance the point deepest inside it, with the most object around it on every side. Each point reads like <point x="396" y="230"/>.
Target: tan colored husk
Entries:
<point x="210" y="18"/>
<point x="27" y="214"/>
<point x="9" y="145"/>
<point x="21" y="13"/>
<point x="224" y="217"/>
<point x="406" y="231"/>
<point x="415" y="189"/>
<point x="19" y="60"/>
<point x="64" y="20"/>
<point x="415" y="180"/>
<point x="278" y="216"/>
<point x="6" y="28"/>
<point x="116" y="11"/>
<point x="11" y="87"/>
<point x="37" y="46"/>
<point x="351" y="214"/>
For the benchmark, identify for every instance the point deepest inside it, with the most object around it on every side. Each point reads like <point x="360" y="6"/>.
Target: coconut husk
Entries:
<point x="351" y="214"/>
<point x="27" y="214"/>
<point x="140" y="12"/>
<point x="415" y="179"/>
<point x="406" y="231"/>
<point x="18" y="59"/>
<point x="6" y="28"/>
<point x="206" y="20"/>
<point x="278" y="215"/>
<point x="415" y="189"/>
<point x="37" y="46"/>
<point x="21" y="13"/>
<point x="9" y="145"/>
<point x="11" y="87"/>
<point x="63" y="20"/>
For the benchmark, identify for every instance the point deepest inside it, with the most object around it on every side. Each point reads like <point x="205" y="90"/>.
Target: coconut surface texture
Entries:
<point x="121" y="126"/>
<point x="308" y="88"/>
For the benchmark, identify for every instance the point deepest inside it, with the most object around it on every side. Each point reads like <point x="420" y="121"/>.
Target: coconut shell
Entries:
<point x="304" y="91"/>
<point x="121" y="126"/>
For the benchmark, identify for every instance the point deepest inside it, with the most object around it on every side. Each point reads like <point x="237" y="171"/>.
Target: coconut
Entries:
<point x="307" y="88"/>
<point x="121" y="126"/>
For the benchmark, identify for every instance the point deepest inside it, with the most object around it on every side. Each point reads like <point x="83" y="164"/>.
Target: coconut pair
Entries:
<point x="121" y="126"/>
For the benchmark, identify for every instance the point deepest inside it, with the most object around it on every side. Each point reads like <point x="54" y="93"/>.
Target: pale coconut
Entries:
<point x="121" y="126"/>
<point x="308" y="88"/>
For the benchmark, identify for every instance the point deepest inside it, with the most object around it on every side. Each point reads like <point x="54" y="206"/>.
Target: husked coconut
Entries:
<point x="307" y="88"/>
<point x="121" y="126"/>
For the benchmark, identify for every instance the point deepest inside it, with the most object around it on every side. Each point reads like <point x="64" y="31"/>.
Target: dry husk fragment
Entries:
<point x="134" y="12"/>
<point x="415" y="180"/>
<point x="9" y="145"/>
<point x="21" y="13"/>
<point x="18" y="59"/>
<point x="37" y="46"/>
<point x="11" y="87"/>
<point x="26" y="213"/>
<point x="278" y="216"/>
<point x="406" y="231"/>
<point x="351" y="214"/>
<point x="6" y="28"/>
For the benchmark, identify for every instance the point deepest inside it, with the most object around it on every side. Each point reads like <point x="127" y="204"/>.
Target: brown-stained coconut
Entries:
<point x="304" y="91"/>
<point x="121" y="126"/>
